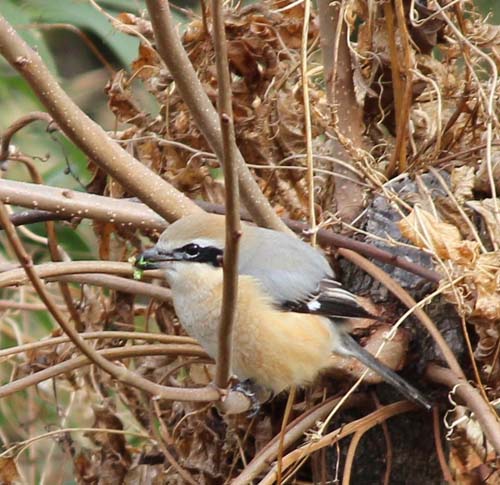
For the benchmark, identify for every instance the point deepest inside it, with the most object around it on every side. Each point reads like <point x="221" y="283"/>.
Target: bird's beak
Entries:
<point x="153" y="258"/>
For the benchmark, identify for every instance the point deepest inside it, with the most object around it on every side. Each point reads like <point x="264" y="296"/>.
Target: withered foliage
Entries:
<point x="425" y="91"/>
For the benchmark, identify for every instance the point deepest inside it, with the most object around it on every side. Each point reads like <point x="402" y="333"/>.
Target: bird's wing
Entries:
<point x="330" y="300"/>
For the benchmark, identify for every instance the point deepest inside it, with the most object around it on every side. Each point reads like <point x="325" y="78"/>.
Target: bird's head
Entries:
<point x="192" y="239"/>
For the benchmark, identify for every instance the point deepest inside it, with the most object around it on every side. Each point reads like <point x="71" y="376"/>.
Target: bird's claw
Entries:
<point x="247" y="388"/>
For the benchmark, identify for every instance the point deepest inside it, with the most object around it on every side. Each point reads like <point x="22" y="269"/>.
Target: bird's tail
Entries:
<point x="350" y="348"/>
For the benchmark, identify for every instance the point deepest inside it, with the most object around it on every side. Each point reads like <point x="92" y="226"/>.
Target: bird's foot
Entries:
<point x="251" y="391"/>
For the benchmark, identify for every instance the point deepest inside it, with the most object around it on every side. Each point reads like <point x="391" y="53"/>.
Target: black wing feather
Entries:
<point x="332" y="301"/>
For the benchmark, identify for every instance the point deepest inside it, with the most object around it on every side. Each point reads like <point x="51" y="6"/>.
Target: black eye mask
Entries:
<point x="209" y="254"/>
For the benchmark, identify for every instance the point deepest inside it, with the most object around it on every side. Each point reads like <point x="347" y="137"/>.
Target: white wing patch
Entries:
<point x="313" y="305"/>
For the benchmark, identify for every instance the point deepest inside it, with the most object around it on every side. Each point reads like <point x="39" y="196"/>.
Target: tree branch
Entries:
<point x="135" y="214"/>
<point x="69" y="203"/>
<point x="232" y="199"/>
<point x="347" y="114"/>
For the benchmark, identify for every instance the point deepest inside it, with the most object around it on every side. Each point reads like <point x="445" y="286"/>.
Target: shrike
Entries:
<point x="289" y="308"/>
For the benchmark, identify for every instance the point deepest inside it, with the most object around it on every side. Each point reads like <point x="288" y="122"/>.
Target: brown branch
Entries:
<point x="284" y="423"/>
<point x="232" y="199"/>
<point x="111" y="354"/>
<point x="19" y="124"/>
<point x="472" y="398"/>
<point x="351" y="454"/>
<point x="401" y="82"/>
<point x="148" y="337"/>
<point x="445" y="469"/>
<point x="124" y="285"/>
<point x="135" y="214"/>
<point x="388" y="444"/>
<point x="329" y="238"/>
<point x="79" y="204"/>
<point x="347" y="114"/>
<point x="47" y="270"/>
<point x="153" y="190"/>
<point x="24" y="218"/>
<point x="204" y="114"/>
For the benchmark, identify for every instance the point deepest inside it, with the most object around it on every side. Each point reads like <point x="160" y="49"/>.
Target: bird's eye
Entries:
<point x="191" y="250"/>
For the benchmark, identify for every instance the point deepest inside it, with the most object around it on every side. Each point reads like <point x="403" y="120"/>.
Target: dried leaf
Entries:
<point x="8" y="471"/>
<point x="462" y="183"/>
<point x="445" y="240"/>
<point x="482" y="182"/>
<point x="147" y="64"/>
<point x="486" y="208"/>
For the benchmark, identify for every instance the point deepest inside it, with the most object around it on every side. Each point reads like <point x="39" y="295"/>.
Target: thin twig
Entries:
<point x="48" y="270"/>
<point x="307" y="120"/>
<point x="232" y="198"/>
<point x="124" y="285"/>
<point x="445" y="469"/>
<point x="27" y="217"/>
<point x="351" y="454"/>
<point x="388" y="443"/>
<point x="19" y="124"/>
<point x="148" y="337"/>
<point x="284" y="423"/>
<point x="472" y="398"/>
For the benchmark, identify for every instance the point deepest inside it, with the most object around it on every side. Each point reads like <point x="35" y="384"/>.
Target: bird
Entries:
<point x="290" y="308"/>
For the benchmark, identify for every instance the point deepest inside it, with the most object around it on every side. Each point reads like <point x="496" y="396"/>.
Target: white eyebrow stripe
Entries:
<point x="205" y="243"/>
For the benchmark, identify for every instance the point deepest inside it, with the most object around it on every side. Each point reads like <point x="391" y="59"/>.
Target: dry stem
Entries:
<point x="19" y="124"/>
<point x="472" y="398"/>
<point x="233" y="229"/>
